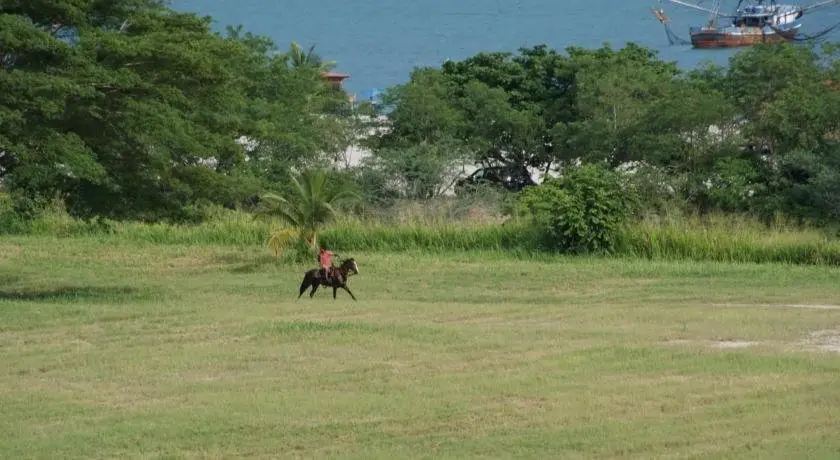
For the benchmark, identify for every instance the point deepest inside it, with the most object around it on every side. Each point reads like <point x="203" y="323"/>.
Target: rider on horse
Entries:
<point x="325" y="259"/>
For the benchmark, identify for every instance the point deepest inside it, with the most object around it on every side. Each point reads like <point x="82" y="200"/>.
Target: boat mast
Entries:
<point x="690" y="5"/>
<point x="714" y="13"/>
<point x="698" y="7"/>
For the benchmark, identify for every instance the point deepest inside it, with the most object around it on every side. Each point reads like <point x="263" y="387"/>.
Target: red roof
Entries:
<point x="335" y="75"/>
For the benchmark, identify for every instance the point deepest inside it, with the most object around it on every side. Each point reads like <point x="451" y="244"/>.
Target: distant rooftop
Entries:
<point x="335" y="78"/>
<point x="335" y="75"/>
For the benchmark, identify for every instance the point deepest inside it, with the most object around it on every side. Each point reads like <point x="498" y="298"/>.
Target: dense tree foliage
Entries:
<point x="128" y="109"/>
<point x="757" y="136"/>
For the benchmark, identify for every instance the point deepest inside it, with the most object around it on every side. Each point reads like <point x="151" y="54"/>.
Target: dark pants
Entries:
<point x="325" y="273"/>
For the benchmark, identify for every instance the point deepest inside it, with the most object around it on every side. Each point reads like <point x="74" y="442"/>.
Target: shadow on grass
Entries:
<point x="249" y="267"/>
<point x="301" y="329"/>
<point x="8" y="279"/>
<point x="313" y="327"/>
<point x="248" y="263"/>
<point x="74" y="293"/>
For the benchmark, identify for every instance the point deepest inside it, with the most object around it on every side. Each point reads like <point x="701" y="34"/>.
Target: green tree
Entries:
<point x="106" y="106"/>
<point x="313" y="203"/>
<point x="790" y="116"/>
<point x="706" y="133"/>
<point x="419" y="111"/>
<point x="614" y="103"/>
<point x="420" y="143"/>
<point x="757" y="74"/>
<point x="510" y="102"/>
<point x="497" y="132"/>
<point x="420" y="171"/>
<point x="804" y="185"/>
<point x="545" y="102"/>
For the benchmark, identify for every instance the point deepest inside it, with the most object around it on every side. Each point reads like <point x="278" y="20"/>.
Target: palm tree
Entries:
<point x="301" y="59"/>
<point x="309" y="207"/>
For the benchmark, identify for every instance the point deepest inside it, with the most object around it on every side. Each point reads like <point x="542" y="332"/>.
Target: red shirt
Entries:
<point x="326" y="259"/>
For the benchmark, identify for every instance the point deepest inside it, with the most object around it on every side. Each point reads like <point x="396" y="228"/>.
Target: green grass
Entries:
<point x="722" y="238"/>
<point x="118" y="348"/>
<point x="729" y="239"/>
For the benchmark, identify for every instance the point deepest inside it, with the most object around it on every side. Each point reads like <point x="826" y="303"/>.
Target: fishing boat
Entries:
<point x="752" y="22"/>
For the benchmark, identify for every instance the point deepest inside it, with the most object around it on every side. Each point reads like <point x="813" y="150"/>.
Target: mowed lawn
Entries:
<point x="117" y="349"/>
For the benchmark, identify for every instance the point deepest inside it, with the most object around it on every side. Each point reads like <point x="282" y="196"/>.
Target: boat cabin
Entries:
<point x="756" y="16"/>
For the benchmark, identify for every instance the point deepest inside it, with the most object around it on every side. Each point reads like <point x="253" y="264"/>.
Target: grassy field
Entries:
<point x="114" y="348"/>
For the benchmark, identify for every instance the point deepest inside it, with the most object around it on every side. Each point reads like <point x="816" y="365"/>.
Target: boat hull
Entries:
<point x="731" y="37"/>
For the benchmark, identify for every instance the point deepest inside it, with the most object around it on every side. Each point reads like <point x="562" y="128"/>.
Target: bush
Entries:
<point x="583" y="211"/>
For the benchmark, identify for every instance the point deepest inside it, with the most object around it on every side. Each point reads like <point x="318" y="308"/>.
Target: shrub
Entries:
<point x="582" y="211"/>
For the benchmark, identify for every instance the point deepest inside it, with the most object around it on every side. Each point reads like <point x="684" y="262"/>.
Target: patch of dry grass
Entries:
<point x="115" y="349"/>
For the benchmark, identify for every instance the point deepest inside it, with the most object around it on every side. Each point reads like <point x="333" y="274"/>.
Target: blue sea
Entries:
<point x="379" y="42"/>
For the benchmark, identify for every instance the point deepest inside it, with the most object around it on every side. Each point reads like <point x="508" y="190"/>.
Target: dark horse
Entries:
<point x="338" y="278"/>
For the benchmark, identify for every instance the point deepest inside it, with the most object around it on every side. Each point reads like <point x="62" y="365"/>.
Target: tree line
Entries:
<point x="759" y="136"/>
<point x="128" y="109"/>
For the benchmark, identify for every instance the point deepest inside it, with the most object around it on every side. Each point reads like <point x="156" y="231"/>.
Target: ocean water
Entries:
<point x="379" y="42"/>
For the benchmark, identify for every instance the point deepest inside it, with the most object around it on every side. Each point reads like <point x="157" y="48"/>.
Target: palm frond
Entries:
<point x="299" y="188"/>
<point x="281" y="238"/>
<point x="344" y="195"/>
<point x="274" y="206"/>
<point x="311" y="203"/>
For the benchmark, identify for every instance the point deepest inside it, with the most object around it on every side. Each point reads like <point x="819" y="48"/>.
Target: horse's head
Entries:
<point x="350" y="265"/>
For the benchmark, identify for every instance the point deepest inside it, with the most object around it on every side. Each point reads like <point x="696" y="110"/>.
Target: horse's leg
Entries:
<point x="348" y="291"/>
<point x="303" y="286"/>
<point x="335" y="290"/>
<point x="314" y="288"/>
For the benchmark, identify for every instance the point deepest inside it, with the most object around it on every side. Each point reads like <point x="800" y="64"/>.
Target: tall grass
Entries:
<point x="729" y="239"/>
<point x="515" y="238"/>
<point x="223" y="227"/>
<point x="228" y="229"/>
<point x="717" y="238"/>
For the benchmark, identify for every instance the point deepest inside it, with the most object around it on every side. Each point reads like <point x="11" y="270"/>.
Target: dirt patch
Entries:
<point x="9" y="251"/>
<point x="733" y="344"/>
<point x="828" y="339"/>
<point x="715" y="343"/>
<point x="771" y="305"/>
